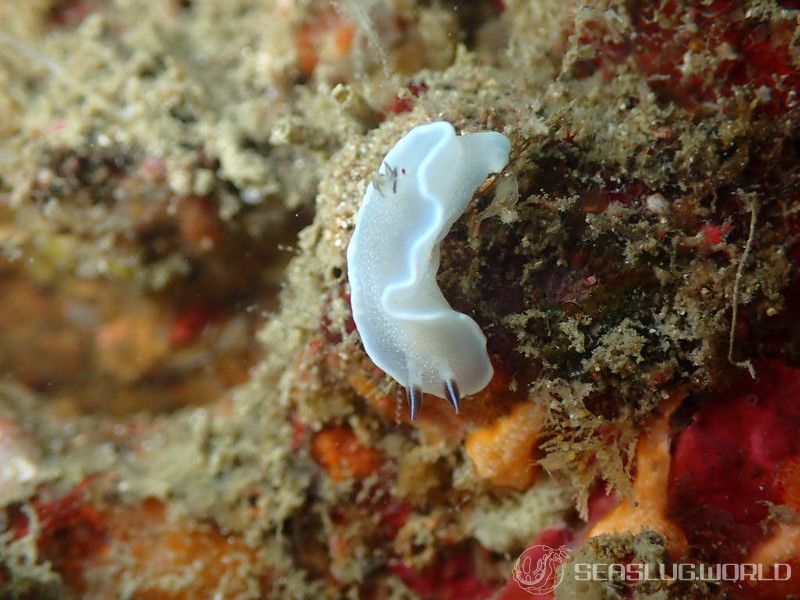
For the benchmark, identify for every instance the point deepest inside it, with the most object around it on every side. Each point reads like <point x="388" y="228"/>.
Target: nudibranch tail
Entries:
<point x="407" y="327"/>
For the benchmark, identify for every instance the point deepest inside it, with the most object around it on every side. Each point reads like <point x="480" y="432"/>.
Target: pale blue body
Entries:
<point x="407" y="327"/>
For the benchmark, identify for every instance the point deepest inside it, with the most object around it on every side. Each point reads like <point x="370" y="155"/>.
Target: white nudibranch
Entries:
<point x="407" y="327"/>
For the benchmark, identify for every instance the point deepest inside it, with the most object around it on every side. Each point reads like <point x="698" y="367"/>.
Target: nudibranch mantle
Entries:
<point x="407" y="327"/>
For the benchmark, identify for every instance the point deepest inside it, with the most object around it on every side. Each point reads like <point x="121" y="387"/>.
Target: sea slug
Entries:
<point x="407" y="327"/>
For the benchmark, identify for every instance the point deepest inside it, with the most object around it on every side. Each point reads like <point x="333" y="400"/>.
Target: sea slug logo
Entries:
<point x="536" y="570"/>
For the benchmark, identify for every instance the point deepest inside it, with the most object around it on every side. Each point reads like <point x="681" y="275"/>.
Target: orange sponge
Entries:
<point x="342" y="455"/>
<point x="503" y="452"/>
<point x="646" y="509"/>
